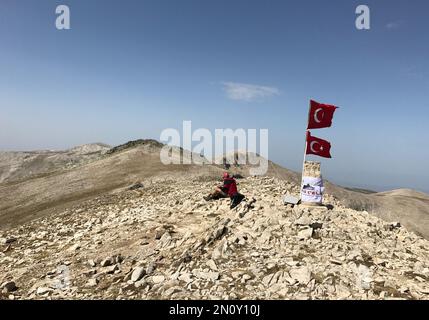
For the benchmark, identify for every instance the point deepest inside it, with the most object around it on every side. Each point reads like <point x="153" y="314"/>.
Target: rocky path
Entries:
<point x="165" y="242"/>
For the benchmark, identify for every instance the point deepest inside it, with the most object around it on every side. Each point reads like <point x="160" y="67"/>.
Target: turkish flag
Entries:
<point x="318" y="147"/>
<point x="320" y="115"/>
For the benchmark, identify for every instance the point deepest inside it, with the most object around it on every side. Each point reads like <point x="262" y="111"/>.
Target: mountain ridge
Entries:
<point x="138" y="161"/>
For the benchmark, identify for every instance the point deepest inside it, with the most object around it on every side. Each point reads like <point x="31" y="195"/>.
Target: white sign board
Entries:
<point x="312" y="190"/>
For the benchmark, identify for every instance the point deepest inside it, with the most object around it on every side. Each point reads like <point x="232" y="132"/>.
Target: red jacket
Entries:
<point x="230" y="186"/>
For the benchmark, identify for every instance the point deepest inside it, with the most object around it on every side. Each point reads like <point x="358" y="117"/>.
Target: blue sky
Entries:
<point x="129" y="69"/>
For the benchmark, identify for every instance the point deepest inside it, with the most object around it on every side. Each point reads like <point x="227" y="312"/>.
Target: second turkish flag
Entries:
<point x="318" y="147"/>
<point x="320" y="115"/>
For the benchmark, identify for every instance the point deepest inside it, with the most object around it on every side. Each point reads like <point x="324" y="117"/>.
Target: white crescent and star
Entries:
<point x="312" y="147"/>
<point x="316" y="117"/>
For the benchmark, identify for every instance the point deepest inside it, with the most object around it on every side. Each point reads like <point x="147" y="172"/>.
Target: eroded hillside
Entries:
<point x="165" y="241"/>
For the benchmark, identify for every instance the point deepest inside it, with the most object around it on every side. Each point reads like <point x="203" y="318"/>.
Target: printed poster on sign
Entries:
<point x="312" y="190"/>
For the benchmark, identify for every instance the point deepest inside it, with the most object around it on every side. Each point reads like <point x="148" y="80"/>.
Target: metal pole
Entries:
<point x="303" y="163"/>
<point x="305" y="152"/>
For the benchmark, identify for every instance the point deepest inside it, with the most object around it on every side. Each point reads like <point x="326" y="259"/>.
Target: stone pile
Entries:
<point x="163" y="241"/>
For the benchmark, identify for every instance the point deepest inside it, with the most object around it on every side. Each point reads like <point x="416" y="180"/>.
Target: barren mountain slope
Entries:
<point x="164" y="241"/>
<point x="138" y="161"/>
<point x="22" y="165"/>
<point x="25" y="200"/>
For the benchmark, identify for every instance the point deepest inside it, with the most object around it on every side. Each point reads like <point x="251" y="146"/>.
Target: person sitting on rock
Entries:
<point x="228" y="189"/>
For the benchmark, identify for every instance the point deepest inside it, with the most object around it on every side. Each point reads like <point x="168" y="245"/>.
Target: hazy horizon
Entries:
<point x="343" y="183"/>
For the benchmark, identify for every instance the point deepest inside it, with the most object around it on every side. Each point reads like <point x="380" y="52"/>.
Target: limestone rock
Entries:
<point x="150" y="268"/>
<point x="305" y="234"/>
<point x="43" y="290"/>
<point x="107" y="262"/>
<point x="92" y="283"/>
<point x="158" y="279"/>
<point x="212" y="265"/>
<point x="303" y="221"/>
<point x="175" y="245"/>
<point x="138" y="273"/>
<point x="302" y="275"/>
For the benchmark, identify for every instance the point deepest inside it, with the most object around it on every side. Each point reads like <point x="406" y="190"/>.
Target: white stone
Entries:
<point x="138" y="273"/>
<point x="302" y="275"/>
<point x="212" y="265"/>
<point x="92" y="282"/>
<point x="305" y="234"/>
<point x="158" y="279"/>
<point x="43" y="290"/>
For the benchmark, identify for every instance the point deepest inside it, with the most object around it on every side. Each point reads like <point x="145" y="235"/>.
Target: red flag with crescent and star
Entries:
<point x="318" y="147"/>
<point x="320" y="115"/>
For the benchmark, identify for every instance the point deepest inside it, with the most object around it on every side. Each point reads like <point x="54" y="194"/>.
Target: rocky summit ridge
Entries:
<point x="161" y="240"/>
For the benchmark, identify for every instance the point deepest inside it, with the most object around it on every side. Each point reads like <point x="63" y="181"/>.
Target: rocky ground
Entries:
<point x="18" y="166"/>
<point x="163" y="241"/>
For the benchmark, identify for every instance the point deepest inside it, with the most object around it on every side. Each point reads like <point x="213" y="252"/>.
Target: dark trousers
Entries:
<point x="236" y="200"/>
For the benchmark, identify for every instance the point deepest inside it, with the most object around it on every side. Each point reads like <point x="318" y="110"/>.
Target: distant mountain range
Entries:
<point x="39" y="183"/>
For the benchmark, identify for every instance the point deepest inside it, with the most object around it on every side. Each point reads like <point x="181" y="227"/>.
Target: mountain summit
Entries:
<point x="163" y="241"/>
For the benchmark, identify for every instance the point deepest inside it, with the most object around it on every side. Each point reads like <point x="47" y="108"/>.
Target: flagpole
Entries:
<point x="305" y="152"/>
<point x="303" y="163"/>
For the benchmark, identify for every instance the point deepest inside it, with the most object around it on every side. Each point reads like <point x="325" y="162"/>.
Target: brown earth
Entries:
<point x="96" y="171"/>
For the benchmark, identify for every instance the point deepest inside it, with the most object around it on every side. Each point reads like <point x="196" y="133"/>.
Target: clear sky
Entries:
<point x="129" y="69"/>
